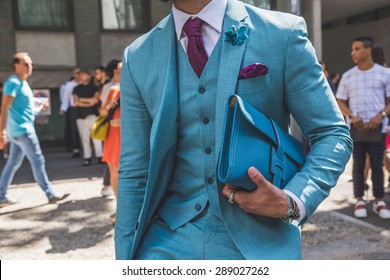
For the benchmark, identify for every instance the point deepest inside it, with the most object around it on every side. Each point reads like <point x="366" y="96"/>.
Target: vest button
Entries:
<point x="206" y="120"/>
<point x="210" y="180"/>
<point x="208" y="151"/>
<point x="198" y="207"/>
<point x="202" y="90"/>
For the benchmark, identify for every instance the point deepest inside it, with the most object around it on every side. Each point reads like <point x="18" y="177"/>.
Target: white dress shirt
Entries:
<point x="68" y="95"/>
<point x="212" y="15"/>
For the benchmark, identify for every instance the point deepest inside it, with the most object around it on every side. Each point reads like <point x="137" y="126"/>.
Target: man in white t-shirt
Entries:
<point x="366" y="87"/>
<point x="69" y="109"/>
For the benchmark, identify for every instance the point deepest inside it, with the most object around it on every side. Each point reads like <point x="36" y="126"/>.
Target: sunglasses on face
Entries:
<point x="28" y="64"/>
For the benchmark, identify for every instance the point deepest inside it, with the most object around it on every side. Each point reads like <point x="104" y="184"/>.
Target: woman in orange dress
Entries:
<point x="112" y="143"/>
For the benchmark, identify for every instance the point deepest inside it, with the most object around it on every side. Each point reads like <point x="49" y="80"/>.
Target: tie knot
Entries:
<point x="192" y="27"/>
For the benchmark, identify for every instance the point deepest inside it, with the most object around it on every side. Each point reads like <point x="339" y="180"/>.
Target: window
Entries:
<point x="295" y="7"/>
<point x="265" y="4"/>
<point x="43" y="14"/>
<point x="127" y="15"/>
<point x="292" y="6"/>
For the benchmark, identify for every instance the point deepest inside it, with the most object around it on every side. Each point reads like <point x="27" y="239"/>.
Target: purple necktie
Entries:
<point x="196" y="51"/>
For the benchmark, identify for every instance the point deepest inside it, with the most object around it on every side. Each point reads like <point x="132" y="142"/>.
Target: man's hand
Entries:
<point x="358" y="123"/>
<point x="375" y="122"/>
<point x="45" y="104"/>
<point x="3" y="140"/>
<point x="266" y="200"/>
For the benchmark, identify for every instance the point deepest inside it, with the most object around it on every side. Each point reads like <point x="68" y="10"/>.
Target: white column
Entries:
<point x="311" y="11"/>
<point x="283" y="5"/>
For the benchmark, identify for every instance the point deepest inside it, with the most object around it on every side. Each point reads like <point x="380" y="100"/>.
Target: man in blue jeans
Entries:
<point x="17" y="127"/>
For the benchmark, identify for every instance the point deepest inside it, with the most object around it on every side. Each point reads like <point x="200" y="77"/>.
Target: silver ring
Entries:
<point x="231" y="197"/>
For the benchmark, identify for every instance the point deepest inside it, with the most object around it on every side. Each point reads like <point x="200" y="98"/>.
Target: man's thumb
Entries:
<point x="256" y="176"/>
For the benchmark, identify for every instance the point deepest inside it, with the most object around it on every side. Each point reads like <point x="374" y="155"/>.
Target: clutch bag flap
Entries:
<point x="252" y="139"/>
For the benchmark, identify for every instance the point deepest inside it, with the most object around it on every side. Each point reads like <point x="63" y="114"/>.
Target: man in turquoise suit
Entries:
<point x="175" y="83"/>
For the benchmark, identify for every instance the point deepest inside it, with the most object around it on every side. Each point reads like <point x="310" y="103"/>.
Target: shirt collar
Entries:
<point x="212" y="14"/>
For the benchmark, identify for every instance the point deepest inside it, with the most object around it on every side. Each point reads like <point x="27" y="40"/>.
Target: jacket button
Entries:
<point x="202" y="90"/>
<point x="206" y="120"/>
<point x="198" y="207"/>
<point x="210" y="180"/>
<point x="208" y="151"/>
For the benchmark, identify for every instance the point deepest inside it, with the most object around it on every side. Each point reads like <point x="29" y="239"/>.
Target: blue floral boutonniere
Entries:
<point x="236" y="34"/>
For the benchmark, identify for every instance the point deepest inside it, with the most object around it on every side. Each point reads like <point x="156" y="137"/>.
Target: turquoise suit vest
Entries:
<point x="193" y="185"/>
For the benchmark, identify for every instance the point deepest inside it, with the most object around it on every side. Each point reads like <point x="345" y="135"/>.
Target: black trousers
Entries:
<point x="74" y="137"/>
<point x="376" y="152"/>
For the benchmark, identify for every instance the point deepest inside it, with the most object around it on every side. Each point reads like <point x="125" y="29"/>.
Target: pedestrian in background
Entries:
<point x="86" y="99"/>
<point x="69" y="109"/>
<point x="17" y="127"/>
<point x="1" y="92"/>
<point x="366" y="87"/>
<point x="100" y="76"/>
<point x="6" y="147"/>
<point x="112" y="143"/>
<point x="328" y="78"/>
<point x="378" y="55"/>
<point x="113" y="72"/>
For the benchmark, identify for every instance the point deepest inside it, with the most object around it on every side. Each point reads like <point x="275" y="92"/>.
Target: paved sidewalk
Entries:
<point x="334" y="233"/>
<point x="77" y="228"/>
<point x="80" y="226"/>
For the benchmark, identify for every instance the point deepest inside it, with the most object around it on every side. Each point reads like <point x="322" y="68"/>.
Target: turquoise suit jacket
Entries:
<point x="295" y="85"/>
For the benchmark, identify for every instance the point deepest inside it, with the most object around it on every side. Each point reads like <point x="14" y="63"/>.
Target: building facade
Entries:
<point x="60" y="35"/>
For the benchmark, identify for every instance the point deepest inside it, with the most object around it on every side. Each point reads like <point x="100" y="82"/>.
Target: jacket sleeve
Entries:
<point x="312" y="104"/>
<point x="134" y="160"/>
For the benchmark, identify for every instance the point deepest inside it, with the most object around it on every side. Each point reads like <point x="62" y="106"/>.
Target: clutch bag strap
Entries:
<point x="278" y="162"/>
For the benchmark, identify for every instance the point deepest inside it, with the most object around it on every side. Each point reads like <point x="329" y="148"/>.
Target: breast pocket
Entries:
<point x="258" y="84"/>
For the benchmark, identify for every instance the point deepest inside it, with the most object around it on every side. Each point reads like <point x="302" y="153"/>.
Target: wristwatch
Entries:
<point x="383" y="113"/>
<point x="352" y="115"/>
<point x="293" y="212"/>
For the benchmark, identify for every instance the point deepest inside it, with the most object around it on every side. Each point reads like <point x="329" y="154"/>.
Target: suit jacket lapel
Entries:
<point x="166" y="63"/>
<point x="231" y="57"/>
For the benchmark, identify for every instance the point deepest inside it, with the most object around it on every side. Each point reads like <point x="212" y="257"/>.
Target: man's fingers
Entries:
<point x="256" y="177"/>
<point x="227" y="190"/>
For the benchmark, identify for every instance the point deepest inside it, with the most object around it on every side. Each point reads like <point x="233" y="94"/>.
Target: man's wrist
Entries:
<point x="293" y="211"/>
<point x="352" y="115"/>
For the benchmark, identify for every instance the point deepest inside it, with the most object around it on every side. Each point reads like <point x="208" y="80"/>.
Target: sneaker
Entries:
<point x="360" y="209"/>
<point x="7" y="202"/>
<point x="87" y="162"/>
<point x="107" y="191"/>
<point x="58" y="197"/>
<point x="381" y="209"/>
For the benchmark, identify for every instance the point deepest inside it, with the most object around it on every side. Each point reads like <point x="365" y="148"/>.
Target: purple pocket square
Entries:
<point x="253" y="71"/>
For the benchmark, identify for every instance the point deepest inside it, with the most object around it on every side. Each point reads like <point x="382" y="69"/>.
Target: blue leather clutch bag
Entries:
<point x="252" y="139"/>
